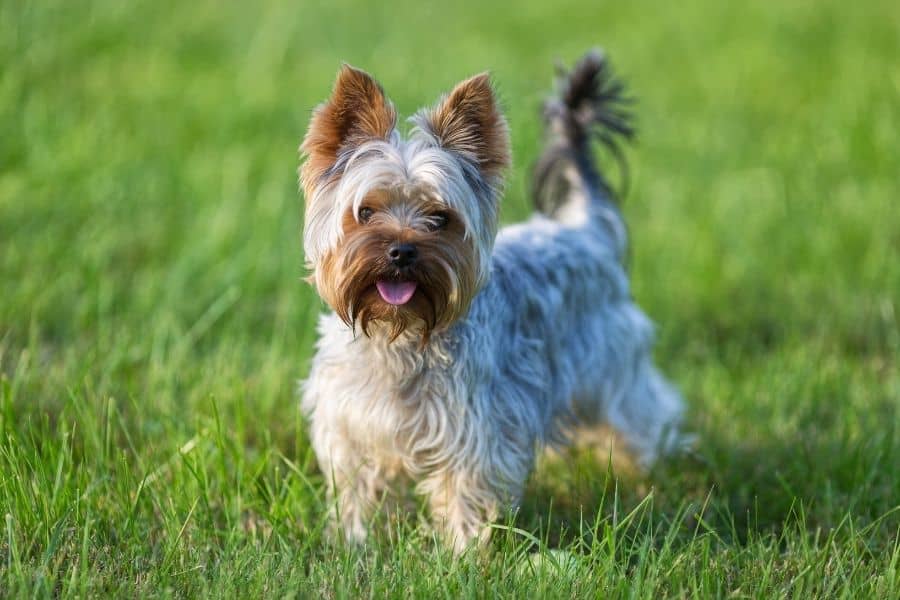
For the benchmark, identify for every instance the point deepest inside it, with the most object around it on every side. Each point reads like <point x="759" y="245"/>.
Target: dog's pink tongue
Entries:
<point x="396" y="292"/>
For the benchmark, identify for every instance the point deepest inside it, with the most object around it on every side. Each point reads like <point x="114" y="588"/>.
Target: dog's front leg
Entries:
<point x="462" y="507"/>
<point x="355" y="490"/>
<point x="348" y="509"/>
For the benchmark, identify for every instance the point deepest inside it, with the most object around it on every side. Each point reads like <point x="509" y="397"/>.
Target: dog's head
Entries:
<point x="398" y="231"/>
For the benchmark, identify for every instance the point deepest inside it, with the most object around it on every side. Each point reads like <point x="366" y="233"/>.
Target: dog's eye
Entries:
<point x="365" y="213"/>
<point x="437" y="221"/>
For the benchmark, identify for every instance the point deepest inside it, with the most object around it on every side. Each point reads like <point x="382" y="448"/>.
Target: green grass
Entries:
<point x="153" y="321"/>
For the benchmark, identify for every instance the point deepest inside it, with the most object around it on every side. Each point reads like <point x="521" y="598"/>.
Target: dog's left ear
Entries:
<point x="469" y="122"/>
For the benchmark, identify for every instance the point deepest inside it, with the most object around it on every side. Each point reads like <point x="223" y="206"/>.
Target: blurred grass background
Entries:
<point x="153" y="321"/>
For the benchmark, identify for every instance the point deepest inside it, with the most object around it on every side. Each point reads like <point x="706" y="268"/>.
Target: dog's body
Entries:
<point x="539" y="332"/>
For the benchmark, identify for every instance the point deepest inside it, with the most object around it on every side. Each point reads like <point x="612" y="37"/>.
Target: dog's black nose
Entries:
<point x="402" y="255"/>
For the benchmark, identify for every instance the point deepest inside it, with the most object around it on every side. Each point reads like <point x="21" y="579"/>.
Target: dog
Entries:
<point x="453" y="352"/>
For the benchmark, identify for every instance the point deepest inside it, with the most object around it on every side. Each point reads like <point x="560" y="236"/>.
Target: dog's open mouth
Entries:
<point x="396" y="292"/>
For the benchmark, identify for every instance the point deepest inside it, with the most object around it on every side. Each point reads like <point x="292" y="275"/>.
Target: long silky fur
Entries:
<point x="551" y="336"/>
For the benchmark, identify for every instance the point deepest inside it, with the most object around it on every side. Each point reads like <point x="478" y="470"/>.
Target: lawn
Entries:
<point x="154" y="321"/>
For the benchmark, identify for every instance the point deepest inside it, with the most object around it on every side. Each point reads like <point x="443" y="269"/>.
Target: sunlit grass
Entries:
<point x="154" y="321"/>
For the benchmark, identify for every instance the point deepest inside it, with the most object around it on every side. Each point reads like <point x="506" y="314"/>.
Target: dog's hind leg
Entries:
<point x="637" y="400"/>
<point x="618" y="384"/>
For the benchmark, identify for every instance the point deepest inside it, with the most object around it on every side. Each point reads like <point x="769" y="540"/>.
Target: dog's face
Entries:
<point x="400" y="232"/>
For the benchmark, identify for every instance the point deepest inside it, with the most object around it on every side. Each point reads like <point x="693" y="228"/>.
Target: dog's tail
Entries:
<point x="590" y="104"/>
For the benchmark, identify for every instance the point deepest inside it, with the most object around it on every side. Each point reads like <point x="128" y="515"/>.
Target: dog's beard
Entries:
<point x="444" y="275"/>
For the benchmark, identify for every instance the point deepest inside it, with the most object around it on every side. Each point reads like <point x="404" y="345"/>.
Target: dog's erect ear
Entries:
<point x="356" y="112"/>
<point x="469" y="122"/>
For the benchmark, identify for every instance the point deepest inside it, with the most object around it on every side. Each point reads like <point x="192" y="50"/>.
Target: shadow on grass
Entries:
<point x="735" y="490"/>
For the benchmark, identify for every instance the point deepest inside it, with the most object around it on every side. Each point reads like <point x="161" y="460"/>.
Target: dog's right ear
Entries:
<point x="356" y="112"/>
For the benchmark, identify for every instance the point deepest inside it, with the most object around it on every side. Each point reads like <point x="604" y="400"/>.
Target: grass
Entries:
<point x="153" y="321"/>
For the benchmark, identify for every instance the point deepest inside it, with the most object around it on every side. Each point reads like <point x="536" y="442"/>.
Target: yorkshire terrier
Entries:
<point x="454" y="351"/>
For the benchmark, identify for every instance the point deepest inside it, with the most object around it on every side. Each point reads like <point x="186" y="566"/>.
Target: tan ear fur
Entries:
<point x="357" y="111"/>
<point x="469" y="121"/>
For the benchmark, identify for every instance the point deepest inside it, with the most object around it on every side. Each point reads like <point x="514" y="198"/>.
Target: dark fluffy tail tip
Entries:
<point x="592" y="103"/>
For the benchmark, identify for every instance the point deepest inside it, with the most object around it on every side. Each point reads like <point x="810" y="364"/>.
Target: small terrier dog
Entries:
<point x="454" y="352"/>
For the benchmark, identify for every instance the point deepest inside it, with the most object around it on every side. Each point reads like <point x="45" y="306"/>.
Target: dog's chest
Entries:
<point x="406" y="409"/>
<point x="393" y="402"/>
